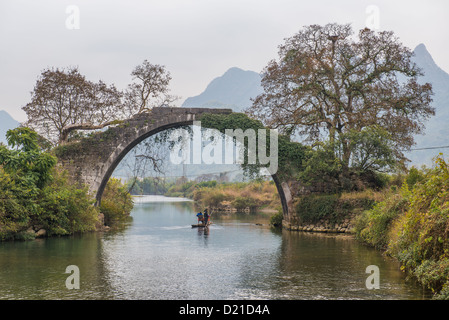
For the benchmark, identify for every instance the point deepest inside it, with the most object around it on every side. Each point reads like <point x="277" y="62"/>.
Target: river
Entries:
<point x="158" y="255"/>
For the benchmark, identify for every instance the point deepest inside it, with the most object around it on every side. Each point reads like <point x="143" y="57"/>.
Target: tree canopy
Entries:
<point x="328" y="84"/>
<point x="64" y="101"/>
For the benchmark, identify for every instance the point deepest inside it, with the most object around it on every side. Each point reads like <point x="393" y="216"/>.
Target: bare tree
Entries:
<point x="63" y="101"/>
<point x="149" y="89"/>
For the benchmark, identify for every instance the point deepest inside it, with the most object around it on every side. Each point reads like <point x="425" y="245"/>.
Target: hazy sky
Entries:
<point x="197" y="40"/>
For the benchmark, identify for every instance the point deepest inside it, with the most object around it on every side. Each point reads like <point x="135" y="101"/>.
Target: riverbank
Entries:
<point x="331" y="213"/>
<point x="232" y="197"/>
<point x="408" y="221"/>
<point x="412" y="225"/>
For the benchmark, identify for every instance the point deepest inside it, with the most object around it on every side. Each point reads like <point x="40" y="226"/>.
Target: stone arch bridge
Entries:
<point x="92" y="160"/>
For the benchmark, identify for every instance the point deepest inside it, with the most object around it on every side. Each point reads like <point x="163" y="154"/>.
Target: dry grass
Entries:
<point x="377" y="196"/>
<point x="262" y="194"/>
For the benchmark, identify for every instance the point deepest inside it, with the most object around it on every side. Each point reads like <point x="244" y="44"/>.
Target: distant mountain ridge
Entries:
<point x="6" y="123"/>
<point x="433" y="73"/>
<point x="437" y="129"/>
<point x="234" y="90"/>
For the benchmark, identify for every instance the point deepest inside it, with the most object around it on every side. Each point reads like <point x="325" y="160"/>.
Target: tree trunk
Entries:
<point x="81" y="126"/>
<point x="345" y="172"/>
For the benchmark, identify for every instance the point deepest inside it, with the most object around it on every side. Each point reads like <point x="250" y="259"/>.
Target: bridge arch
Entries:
<point x="92" y="161"/>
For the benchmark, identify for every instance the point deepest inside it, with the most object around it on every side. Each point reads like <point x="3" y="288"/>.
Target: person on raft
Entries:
<point x="206" y="217"/>
<point x="200" y="217"/>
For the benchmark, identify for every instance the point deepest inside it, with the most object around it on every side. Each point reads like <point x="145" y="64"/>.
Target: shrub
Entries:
<point x="65" y="208"/>
<point x="241" y="203"/>
<point x="414" y="176"/>
<point x="14" y="215"/>
<point x="373" y="226"/>
<point x="276" y="219"/>
<point x="116" y="203"/>
<point x="312" y="208"/>
<point x="413" y="226"/>
<point x="34" y="192"/>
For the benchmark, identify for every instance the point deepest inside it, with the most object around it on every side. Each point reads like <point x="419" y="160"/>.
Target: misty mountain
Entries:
<point x="437" y="129"/>
<point x="6" y="123"/>
<point x="233" y="90"/>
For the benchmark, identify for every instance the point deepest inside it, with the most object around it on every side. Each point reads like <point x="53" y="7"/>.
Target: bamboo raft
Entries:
<point x="201" y="225"/>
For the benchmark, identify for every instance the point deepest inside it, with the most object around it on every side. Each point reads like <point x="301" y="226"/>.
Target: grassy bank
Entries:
<point x="236" y="196"/>
<point x="411" y="224"/>
<point x="334" y="208"/>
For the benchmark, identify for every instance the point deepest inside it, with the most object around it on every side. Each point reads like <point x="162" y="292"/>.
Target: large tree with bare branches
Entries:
<point x="329" y="84"/>
<point x="150" y="88"/>
<point x="64" y="101"/>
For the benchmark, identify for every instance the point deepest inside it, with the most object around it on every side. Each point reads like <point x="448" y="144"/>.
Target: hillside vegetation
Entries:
<point x="412" y="225"/>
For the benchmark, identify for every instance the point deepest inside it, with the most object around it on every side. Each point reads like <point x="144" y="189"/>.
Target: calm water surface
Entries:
<point x="159" y="256"/>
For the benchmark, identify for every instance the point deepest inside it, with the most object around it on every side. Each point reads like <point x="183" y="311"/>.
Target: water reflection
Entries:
<point x="323" y="266"/>
<point x="157" y="255"/>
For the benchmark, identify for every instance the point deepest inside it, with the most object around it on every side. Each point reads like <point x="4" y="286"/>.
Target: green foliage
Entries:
<point x="322" y="168"/>
<point x="425" y="228"/>
<point x="241" y="203"/>
<point x="28" y="165"/>
<point x="414" y="176"/>
<point x="65" y="208"/>
<point x="13" y="207"/>
<point x="182" y="189"/>
<point x="34" y="192"/>
<point x="23" y="138"/>
<point x="116" y="203"/>
<point x="221" y="122"/>
<point x="276" y="219"/>
<point x="372" y="153"/>
<point x="312" y="208"/>
<point x="413" y="226"/>
<point x="147" y="186"/>
<point x="292" y="156"/>
<point x="373" y="226"/>
<point x="372" y="149"/>
<point x="331" y="207"/>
